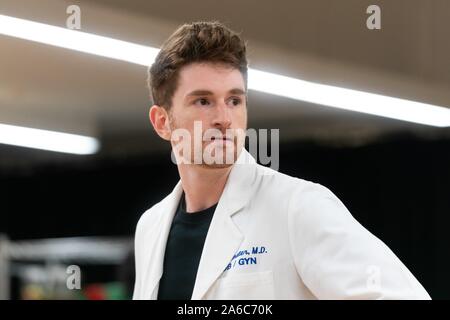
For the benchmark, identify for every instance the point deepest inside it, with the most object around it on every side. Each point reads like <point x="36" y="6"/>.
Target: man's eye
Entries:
<point x="236" y="101"/>
<point x="202" y="101"/>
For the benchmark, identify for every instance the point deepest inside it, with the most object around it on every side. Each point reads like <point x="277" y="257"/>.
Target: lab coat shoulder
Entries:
<point x="274" y="183"/>
<point x="336" y="257"/>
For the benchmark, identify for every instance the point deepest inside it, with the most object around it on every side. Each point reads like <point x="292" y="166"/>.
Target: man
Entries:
<point x="235" y="229"/>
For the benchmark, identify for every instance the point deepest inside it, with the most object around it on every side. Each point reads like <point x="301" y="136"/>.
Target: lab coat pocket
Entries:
<point x="246" y="286"/>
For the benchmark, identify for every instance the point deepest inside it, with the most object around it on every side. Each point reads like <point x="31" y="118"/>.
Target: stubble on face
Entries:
<point x="183" y="115"/>
<point x="208" y="150"/>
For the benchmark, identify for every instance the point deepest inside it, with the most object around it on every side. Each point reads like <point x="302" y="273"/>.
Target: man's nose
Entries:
<point x="222" y="117"/>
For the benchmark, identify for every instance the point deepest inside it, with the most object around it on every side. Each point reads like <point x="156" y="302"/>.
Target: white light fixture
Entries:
<point x="48" y="140"/>
<point x="349" y="99"/>
<point x="77" y="40"/>
<point x="326" y="95"/>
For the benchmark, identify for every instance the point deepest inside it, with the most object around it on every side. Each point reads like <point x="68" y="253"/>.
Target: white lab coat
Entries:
<point x="274" y="236"/>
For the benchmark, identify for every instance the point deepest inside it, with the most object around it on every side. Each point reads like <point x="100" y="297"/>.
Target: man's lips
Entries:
<point x="223" y="138"/>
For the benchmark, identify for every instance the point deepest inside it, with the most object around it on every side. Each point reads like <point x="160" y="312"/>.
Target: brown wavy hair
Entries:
<point x="194" y="42"/>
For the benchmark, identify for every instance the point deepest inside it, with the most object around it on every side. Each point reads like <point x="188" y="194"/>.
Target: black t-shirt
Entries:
<point x="183" y="251"/>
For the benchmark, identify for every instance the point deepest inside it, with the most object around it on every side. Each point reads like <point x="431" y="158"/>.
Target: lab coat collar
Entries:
<point x="223" y="238"/>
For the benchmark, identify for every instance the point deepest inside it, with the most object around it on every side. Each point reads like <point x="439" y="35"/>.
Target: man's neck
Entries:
<point x="202" y="186"/>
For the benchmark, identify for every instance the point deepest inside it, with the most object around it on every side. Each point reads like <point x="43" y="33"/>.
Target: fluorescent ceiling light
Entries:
<point x="77" y="40"/>
<point x="349" y="99"/>
<point x="47" y="140"/>
<point x="326" y="95"/>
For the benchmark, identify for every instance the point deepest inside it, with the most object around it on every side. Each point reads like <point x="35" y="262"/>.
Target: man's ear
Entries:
<point x="160" y="121"/>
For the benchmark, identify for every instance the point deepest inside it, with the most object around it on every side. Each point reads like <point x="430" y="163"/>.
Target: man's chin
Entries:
<point x="219" y="162"/>
<point x="217" y="165"/>
<point x="224" y="159"/>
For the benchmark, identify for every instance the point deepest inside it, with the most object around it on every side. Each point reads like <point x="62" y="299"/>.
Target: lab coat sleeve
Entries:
<point x="337" y="258"/>
<point x="137" y="294"/>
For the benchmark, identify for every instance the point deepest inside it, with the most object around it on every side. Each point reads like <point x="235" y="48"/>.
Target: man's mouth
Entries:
<point x="222" y="138"/>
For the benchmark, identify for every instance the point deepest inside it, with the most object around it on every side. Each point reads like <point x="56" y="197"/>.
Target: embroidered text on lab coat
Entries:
<point x="246" y="257"/>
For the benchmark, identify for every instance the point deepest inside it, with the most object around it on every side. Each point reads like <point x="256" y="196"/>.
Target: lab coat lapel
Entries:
<point x="154" y="261"/>
<point x="224" y="237"/>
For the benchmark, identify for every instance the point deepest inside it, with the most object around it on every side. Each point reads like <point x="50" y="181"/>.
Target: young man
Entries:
<point x="235" y="229"/>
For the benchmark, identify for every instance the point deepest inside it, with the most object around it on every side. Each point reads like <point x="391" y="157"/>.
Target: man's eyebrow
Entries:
<point x="236" y="91"/>
<point x="202" y="92"/>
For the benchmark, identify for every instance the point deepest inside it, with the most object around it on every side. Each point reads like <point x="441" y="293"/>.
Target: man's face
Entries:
<point x="209" y="96"/>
